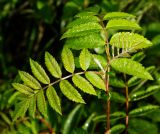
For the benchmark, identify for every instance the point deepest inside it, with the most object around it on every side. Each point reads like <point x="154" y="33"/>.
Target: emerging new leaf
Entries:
<point x="122" y="24"/>
<point x="53" y="99"/>
<point x="127" y="40"/>
<point x="22" y="88"/>
<point x="83" y="84"/>
<point x="130" y="67"/>
<point x="92" y="40"/>
<point x="41" y="103"/>
<point x="39" y="72"/>
<point x="95" y="80"/>
<point x="84" y="59"/>
<point x="68" y="59"/>
<point x="29" y="80"/>
<point x="118" y="15"/>
<point x="70" y="92"/>
<point x="52" y="65"/>
<point x="81" y="30"/>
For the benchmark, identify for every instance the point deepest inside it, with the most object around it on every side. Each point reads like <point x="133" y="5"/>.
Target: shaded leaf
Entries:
<point x="93" y="40"/>
<point x="70" y="92"/>
<point x="116" y="15"/>
<point x="81" y="30"/>
<point x="143" y="94"/>
<point x="84" y="59"/>
<point x="32" y="106"/>
<point x="95" y="80"/>
<point x="41" y="103"/>
<point x="115" y="82"/>
<point x="39" y="72"/>
<point x="127" y="40"/>
<point x="117" y="129"/>
<point x="143" y="110"/>
<point x="68" y="59"/>
<point x="22" y="88"/>
<point x="83" y="84"/>
<point x="130" y="67"/>
<point x="52" y="65"/>
<point x="122" y="24"/>
<point x="117" y="97"/>
<point x="53" y="99"/>
<point x="29" y="80"/>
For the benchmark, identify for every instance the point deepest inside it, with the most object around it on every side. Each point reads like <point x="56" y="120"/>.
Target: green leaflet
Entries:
<point x="22" y="88"/>
<point x="81" y="30"/>
<point x="95" y="80"/>
<point x="29" y="80"/>
<point x="143" y="94"/>
<point x="117" y="15"/>
<point x="83" y="84"/>
<point x="117" y="129"/>
<point x="115" y="82"/>
<point x="70" y="92"/>
<point x="39" y="72"/>
<point x="127" y="40"/>
<point x="32" y="106"/>
<point x="52" y="65"/>
<point x="84" y="14"/>
<point x="143" y="110"/>
<point x="68" y="59"/>
<point x="93" y="40"/>
<point x="84" y="59"/>
<point x="130" y="67"/>
<point x="53" y="99"/>
<point x="21" y="109"/>
<point x="83" y="20"/>
<point x="122" y="24"/>
<point x="41" y="103"/>
<point x="117" y="97"/>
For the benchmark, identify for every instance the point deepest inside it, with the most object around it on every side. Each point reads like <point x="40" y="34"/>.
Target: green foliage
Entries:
<point x="117" y="129"/>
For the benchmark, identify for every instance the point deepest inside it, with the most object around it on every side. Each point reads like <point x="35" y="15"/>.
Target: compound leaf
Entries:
<point x="92" y="40"/>
<point x="122" y="24"/>
<point x="117" y="15"/>
<point x="95" y="80"/>
<point x="52" y="65"/>
<point x="41" y="103"/>
<point x="53" y="99"/>
<point x="84" y="59"/>
<point x="127" y="40"/>
<point x="70" y="92"/>
<point x="68" y="59"/>
<point x="39" y="72"/>
<point x="29" y="80"/>
<point x="22" y="88"/>
<point x="83" y="84"/>
<point x="130" y="67"/>
<point x="81" y="30"/>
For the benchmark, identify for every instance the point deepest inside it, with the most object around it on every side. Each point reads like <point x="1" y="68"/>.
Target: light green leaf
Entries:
<point x="52" y="65"/>
<point x="130" y="67"/>
<point x="95" y="80"/>
<point x="84" y="14"/>
<point x="127" y="40"/>
<point x="83" y="84"/>
<point x="117" y="129"/>
<point x="22" y="88"/>
<point x="39" y="72"/>
<point x="84" y="59"/>
<point x="29" y="80"/>
<point x="21" y="109"/>
<point x="70" y="92"/>
<point x="143" y="94"/>
<point x="83" y="20"/>
<point x="68" y="59"/>
<point x="122" y="24"/>
<point x="41" y="103"/>
<point x="92" y="40"/>
<point x="53" y="99"/>
<point x="143" y="110"/>
<point x="81" y="30"/>
<point x="32" y="106"/>
<point x="117" y="15"/>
